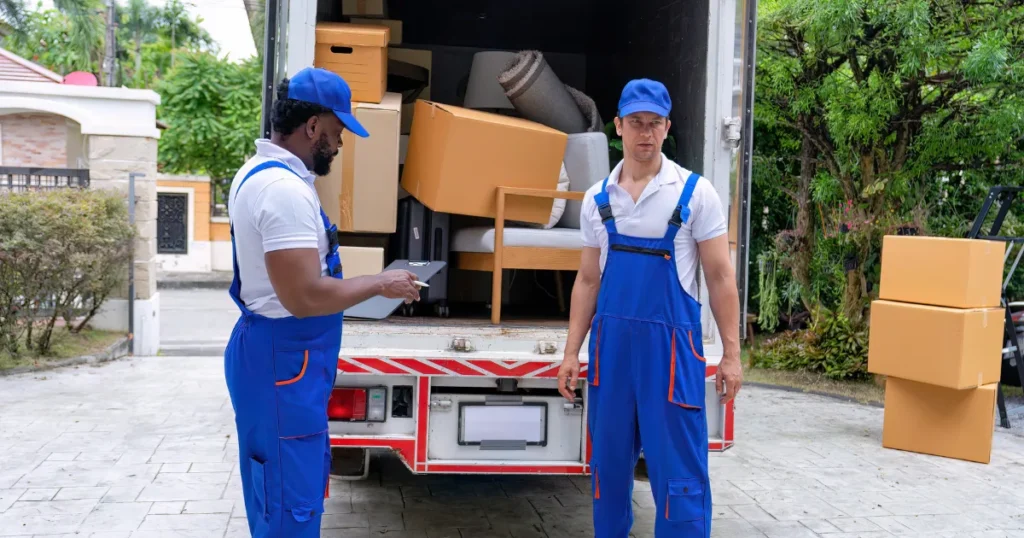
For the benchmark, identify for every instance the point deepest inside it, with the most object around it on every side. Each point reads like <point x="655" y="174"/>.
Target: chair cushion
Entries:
<point x="481" y="239"/>
<point x="586" y="161"/>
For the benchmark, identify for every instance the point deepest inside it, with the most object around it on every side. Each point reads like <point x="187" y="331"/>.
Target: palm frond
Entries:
<point x="12" y="12"/>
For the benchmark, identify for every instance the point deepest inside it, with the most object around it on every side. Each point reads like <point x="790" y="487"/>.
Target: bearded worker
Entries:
<point x="281" y="361"/>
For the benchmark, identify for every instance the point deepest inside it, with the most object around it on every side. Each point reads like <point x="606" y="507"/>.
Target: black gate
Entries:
<point x="172" y="223"/>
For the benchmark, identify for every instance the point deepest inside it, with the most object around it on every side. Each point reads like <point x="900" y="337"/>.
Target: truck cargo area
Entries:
<point x="465" y="380"/>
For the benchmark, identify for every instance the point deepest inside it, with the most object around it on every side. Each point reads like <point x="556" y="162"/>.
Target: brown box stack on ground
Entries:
<point x="937" y="334"/>
<point x="360" y="194"/>
<point x="939" y="421"/>
<point x="359" y="53"/>
<point x="457" y="159"/>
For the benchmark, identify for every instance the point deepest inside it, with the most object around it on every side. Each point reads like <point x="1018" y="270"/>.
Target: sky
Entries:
<point x="225" y="20"/>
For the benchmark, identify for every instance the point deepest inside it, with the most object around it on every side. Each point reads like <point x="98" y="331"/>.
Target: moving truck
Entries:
<point x="459" y="394"/>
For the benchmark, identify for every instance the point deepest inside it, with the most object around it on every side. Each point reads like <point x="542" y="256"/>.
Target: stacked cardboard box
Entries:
<point x="360" y="193"/>
<point x="937" y="334"/>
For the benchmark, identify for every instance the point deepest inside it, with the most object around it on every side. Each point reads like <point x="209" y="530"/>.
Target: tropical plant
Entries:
<point x="880" y="103"/>
<point x="75" y="27"/>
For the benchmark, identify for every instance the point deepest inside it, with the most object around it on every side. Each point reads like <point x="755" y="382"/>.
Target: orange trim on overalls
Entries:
<point x="597" y="355"/>
<point x="672" y="374"/>
<point x="305" y="363"/>
<point x="694" y="348"/>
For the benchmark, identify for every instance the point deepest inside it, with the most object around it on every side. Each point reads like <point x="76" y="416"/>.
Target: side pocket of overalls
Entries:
<point x="258" y="478"/>
<point x="687" y="368"/>
<point x="594" y="353"/>
<point x="684" y="505"/>
<point x="302" y="392"/>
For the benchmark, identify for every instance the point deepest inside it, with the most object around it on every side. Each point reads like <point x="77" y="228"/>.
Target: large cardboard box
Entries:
<point x="458" y="158"/>
<point x="356" y="52"/>
<point x="940" y="271"/>
<point x="360" y="194"/>
<point x="942" y="422"/>
<point x="361" y="261"/>
<point x="947" y="347"/>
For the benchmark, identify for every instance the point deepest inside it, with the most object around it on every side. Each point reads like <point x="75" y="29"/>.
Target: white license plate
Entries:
<point x="480" y="424"/>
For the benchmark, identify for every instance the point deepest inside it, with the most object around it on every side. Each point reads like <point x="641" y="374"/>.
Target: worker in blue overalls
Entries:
<point x="281" y="361"/>
<point x="646" y="228"/>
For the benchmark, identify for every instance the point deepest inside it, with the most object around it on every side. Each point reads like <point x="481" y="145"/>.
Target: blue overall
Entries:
<point x="646" y="385"/>
<point x="280" y="373"/>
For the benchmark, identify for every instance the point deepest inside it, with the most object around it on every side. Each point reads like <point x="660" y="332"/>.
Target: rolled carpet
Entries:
<point x="538" y="94"/>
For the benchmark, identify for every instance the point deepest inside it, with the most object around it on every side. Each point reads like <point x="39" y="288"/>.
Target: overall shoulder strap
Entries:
<point x="682" y="211"/>
<point x="236" y="282"/>
<point x="604" y="207"/>
<point x="266" y="165"/>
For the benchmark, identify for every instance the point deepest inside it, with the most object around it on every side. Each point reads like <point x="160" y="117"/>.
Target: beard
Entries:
<point x="322" y="156"/>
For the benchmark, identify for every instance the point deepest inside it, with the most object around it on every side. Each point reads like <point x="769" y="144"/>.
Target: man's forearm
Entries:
<point x="581" y="314"/>
<point x="725" y="306"/>
<point x="331" y="295"/>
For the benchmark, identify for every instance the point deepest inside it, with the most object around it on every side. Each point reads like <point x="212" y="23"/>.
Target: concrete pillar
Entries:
<point x="111" y="160"/>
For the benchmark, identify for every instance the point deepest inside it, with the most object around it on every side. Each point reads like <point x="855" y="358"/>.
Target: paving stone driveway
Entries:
<point x="143" y="448"/>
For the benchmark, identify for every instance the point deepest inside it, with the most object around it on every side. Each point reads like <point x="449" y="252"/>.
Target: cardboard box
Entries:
<point x="363" y="182"/>
<point x="394" y="27"/>
<point x="940" y="271"/>
<point x="356" y="52"/>
<point x="458" y="158"/>
<point x="421" y="58"/>
<point x="377" y="8"/>
<point x="946" y="347"/>
<point x="938" y="421"/>
<point x="361" y="261"/>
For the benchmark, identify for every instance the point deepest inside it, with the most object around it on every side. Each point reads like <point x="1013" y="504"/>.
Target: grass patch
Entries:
<point x="65" y="346"/>
<point x="861" y="391"/>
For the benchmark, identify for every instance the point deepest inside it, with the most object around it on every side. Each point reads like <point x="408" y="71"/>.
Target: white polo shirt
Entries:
<point x="276" y="210"/>
<point x="649" y="216"/>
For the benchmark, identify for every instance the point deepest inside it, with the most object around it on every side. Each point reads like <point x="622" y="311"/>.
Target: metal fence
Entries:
<point x="20" y="179"/>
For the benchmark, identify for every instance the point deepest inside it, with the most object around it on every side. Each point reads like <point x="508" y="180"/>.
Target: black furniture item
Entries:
<point x="1012" y="353"/>
<point x="423" y="235"/>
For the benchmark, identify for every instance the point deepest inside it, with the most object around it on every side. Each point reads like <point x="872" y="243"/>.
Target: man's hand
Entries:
<point x="568" y="374"/>
<point x="729" y="377"/>
<point x="399" y="284"/>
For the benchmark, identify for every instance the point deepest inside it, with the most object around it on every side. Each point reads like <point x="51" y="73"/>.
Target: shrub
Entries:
<point x="833" y="346"/>
<point x="843" y="348"/>
<point x="62" y="254"/>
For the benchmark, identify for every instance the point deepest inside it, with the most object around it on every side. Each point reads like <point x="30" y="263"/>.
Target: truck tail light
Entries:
<point x="347" y="404"/>
<point x="352" y="404"/>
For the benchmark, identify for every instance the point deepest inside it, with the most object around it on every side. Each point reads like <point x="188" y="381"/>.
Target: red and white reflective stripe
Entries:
<point x="452" y="367"/>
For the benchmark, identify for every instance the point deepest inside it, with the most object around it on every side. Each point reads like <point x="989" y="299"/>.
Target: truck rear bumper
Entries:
<point x="429" y="433"/>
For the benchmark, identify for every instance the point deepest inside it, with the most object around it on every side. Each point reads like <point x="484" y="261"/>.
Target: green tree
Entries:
<point x="212" y="108"/>
<point x="884" y="105"/>
<point x="75" y="28"/>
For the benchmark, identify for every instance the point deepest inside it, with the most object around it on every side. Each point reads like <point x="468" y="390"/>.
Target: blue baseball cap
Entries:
<point x="322" y="87"/>
<point x="644" y="95"/>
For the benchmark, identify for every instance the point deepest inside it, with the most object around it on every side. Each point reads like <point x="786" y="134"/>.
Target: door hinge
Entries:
<point x="732" y="133"/>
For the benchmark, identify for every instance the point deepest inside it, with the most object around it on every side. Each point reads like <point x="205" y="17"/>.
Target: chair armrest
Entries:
<point x="539" y="193"/>
<point x="499" y="221"/>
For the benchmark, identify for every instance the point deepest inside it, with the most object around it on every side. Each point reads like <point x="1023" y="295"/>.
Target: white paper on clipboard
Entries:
<point x="502" y="423"/>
